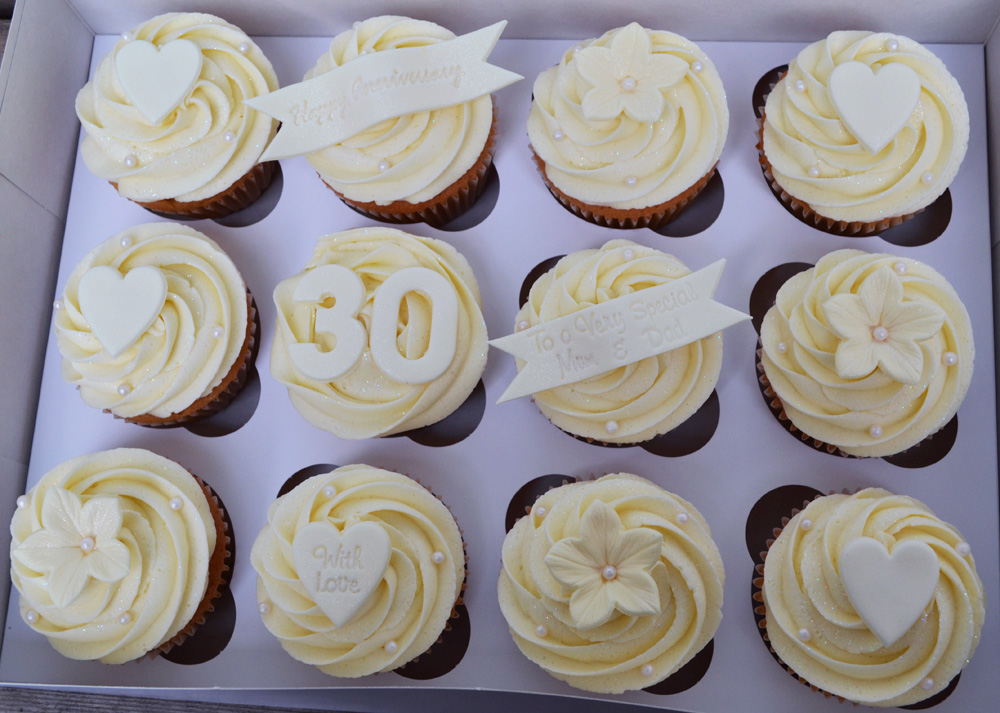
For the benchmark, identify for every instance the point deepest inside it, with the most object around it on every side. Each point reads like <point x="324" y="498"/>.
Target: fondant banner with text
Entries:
<point x="618" y="332"/>
<point x="334" y="106"/>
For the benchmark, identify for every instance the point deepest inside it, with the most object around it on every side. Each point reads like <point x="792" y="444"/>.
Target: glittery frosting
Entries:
<point x="643" y="399"/>
<point x="413" y="157"/>
<point x="868" y="411"/>
<point x="168" y="550"/>
<point x="207" y="143"/>
<point x="626" y="651"/>
<point x="803" y="131"/>
<point x="365" y="402"/>
<point x="620" y="161"/>
<point x="803" y="591"/>
<point x="179" y="358"/>
<point x="412" y="602"/>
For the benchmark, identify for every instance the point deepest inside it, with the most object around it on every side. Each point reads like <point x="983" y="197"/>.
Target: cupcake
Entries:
<point x="629" y="127"/>
<point x="863" y="131"/>
<point x="156" y="326"/>
<point x="117" y="554"/>
<point x="867" y="353"/>
<point x="872" y="598"/>
<point x="423" y="167"/>
<point x="165" y="121"/>
<point x="611" y="585"/>
<point x="407" y="331"/>
<point x="635" y="401"/>
<point x="358" y="570"/>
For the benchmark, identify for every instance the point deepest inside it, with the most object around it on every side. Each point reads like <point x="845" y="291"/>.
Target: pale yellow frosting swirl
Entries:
<point x="803" y="131"/>
<point x="621" y="162"/>
<point x="413" y="157"/>
<point x="803" y="590"/>
<point x="169" y="550"/>
<point x="207" y="143"/>
<point x="179" y="358"/>
<point x="410" y="605"/>
<point x="365" y="402"/>
<point x="611" y="658"/>
<point x="874" y="415"/>
<point x="646" y="398"/>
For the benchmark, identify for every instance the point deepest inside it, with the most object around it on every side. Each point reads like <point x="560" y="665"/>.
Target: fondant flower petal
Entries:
<point x="880" y="289"/>
<point x="45" y="550"/>
<point x="642" y="105"/>
<point x="855" y="358"/>
<point x="596" y="66"/>
<point x="61" y="512"/>
<point x="663" y="71"/>
<point x="631" y="50"/>
<point x="109" y="562"/>
<point x="599" y="529"/>
<point x="639" y="548"/>
<point x="901" y="360"/>
<point x="602" y="103"/>
<point x="590" y="606"/>
<point x="571" y="564"/>
<point x="101" y="517"/>
<point x="634" y="593"/>
<point x="847" y="318"/>
<point x="66" y="582"/>
<point x="914" y="321"/>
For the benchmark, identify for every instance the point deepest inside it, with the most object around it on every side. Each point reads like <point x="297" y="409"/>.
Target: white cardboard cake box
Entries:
<point x="53" y="211"/>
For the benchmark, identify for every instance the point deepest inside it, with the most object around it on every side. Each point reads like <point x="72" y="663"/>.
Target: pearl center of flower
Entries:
<point x="628" y="84"/>
<point x="87" y="544"/>
<point x="880" y="334"/>
<point x="609" y="572"/>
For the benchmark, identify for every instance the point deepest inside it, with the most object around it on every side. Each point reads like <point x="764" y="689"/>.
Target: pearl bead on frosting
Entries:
<point x="218" y="332"/>
<point x="558" y="135"/>
<point x="927" y="684"/>
<point x="392" y="647"/>
<point x="647" y="670"/>
<point x="541" y="631"/>
<point x="57" y="305"/>
<point x="875" y="431"/>
<point x="782" y="347"/>
<point x="541" y="511"/>
<point x="128" y="36"/>
<point x="631" y="180"/>
<point x="683" y="517"/>
<point x="900" y="268"/>
<point x="437" y="558"/>
<point x="264" y="608"/>
<point x="949" y="358"/>
<point x="813" y="172"/>
<point x="804" y="634"/>
<point x="125" y="619"/>
<point x="31" y="616"/>
<point x="628" y="254"/>
<point x="697" y="66"/>
<point x="806" y="523"/>
<point x="22" y="502"/>
<point x="176" y="504"/>
<point x="125" y="241"/>
<point x="611" y="427"/>
<point x="800" y="86"/>
<point x="522" y="325"/>
<point x="124" y="390"/>
<point x="229" y="136"/>
<point x="892" y="45"/>
<point x="130" y="161"/>
<point x="243" y="47"/>
<point x="329" y="491"/>
<point x="963" y="549"/>
<point x="384" y="165"/>
<point x="927" y="178"/>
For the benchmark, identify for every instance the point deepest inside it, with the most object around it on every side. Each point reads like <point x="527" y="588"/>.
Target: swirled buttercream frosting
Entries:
<point x="411" y="158"/>
<point x="629" y="120"/>
<point x="851" y="571"/>
<point x="110" y="553"/>
<point x="868" y="352"/>
<point x="358" y="570"/>
<point x="611" y="585"/>
<point x="638" y="401"/>
<point x="865" y="126"/>
<point x="207" y="141"/>
<point x="371" y="364"/>
<point x="178" y="346"/>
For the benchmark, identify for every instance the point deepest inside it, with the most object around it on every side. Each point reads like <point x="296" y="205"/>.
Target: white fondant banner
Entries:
<point x="327" y="109"/>
<point x="618" y="332"/>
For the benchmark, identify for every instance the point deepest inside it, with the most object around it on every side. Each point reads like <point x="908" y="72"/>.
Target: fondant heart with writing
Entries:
<point x="874" y="106"/>
<point x="889" y="592"/>
<point x="157" y="79"/>
<point x="120" y="309"/>
<point x="340" y="570"/>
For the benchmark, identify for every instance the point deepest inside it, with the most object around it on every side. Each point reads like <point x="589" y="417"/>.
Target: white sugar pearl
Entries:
<point x="800" y="85"/>
<point x="437" y="558"/>
<point x="329" y="491"/>
<point x="880" y="334"/>
<point x="927" y="684"/>
<point x="631" y="181"/>
<point x="697" y="66"/>
<point x="963" y="549"/>
<point x="130" y="161"/>
<point x="892" y="45"/>
<point x="128" y="36"/>
<point x="900" y="268"/>
<point x="804" y="634"/>
<point x="229" y="136"/>
<point x="31" y="616"/>
<point x="558" y="135"/>
<point x="628" y="253"/>
<point x="683" y="517"/>
<point x="57" y="305"/>
<point x="392" y="647"/>
<point x="813" y="172"/>
<point x="576" y="48"/>
<point x="87" y="544"/>
<point x="22" y="502"/>
<point x="805" y="523"/>
<point x="264" y="608"/>
<point x="124" y="390"/>
<point x="243" y="47"/>
<point x="609" y="572"/>
<point x="357" y="24"/>
<point x="782" y="347"/>
<point x="927" y="178"/>
<point x="522" y="325"/>
<point x="875" y="431"/>
<point x="541" y="511"/>
<point x="541" y="631"/>
<point x="611" y="427"/>
<point x="125" y="241"/>
<point x="176" y="503"/>
<point x="949" y="358"/>
<point x="384" y="165"/>
<point x="647" y="670"/>
<point x="125" y="619"/>
<point x="218" y="332"/>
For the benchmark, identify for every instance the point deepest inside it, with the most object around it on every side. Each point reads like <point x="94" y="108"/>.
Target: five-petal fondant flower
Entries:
<point x="627" y="77"/>
<point x="78" y="541"/>
<point x="879" y="328"/>
<point x="607" y="568"/>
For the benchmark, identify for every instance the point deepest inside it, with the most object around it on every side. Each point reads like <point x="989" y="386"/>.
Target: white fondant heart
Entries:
<point x="119" y="310"/>
<point x="889" y="592"/>
<point x="874" y="107"/>
<point x="156" y="79"/>
<point x="341" y="570"/>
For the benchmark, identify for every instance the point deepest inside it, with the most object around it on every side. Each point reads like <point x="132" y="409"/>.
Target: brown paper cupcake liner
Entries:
<point x="238" y="196"/>
<point x="447" y="205"/>
<point x="223" y="394"/>
<point x="651" y="217"/>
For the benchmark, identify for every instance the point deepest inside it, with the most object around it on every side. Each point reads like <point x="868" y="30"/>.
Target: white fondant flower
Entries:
<point x="77" y="542"/>
<point x="583" y="564"/>
<point x="627" y="77"/>
<point x="881" y="329"/>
